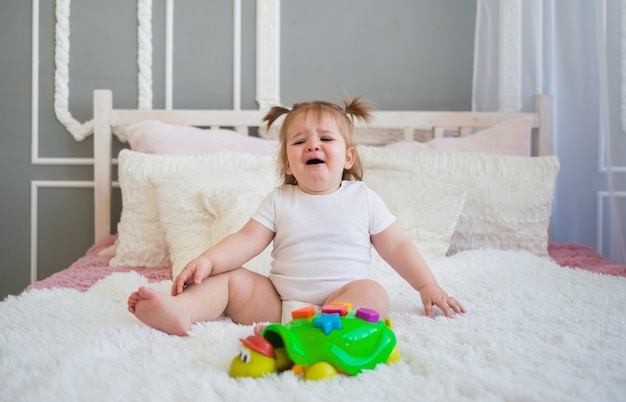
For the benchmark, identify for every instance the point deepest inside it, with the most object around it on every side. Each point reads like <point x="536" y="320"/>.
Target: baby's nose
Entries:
<point x="313" y="146"/>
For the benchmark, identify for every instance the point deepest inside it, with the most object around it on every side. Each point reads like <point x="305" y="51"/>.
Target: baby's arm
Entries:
<point x="230" y="253"/>
<point x="403" y="256"/>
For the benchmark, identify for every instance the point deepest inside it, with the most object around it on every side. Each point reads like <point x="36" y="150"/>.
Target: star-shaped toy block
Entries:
<point x="328" y="322"/>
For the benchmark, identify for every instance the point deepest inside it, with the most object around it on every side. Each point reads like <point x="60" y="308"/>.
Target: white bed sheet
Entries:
<point x="533" y="331"/>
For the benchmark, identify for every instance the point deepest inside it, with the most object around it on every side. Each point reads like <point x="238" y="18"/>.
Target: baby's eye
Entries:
<point x="298" y="142"/>
<point x="327" y="139"/>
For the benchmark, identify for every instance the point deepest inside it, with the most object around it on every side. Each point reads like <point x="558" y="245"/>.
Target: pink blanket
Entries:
<point x="87" y="270"/>
<point x="584" y="257"/>
<point x="90" y="268"/>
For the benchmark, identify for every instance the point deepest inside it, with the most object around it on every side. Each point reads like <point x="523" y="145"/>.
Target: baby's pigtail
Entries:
<point x="273" y="114"/>
<point x="359" y="109"/>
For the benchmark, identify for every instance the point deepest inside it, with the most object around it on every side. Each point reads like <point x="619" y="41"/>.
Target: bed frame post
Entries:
<point x="543" y="141"/>
<point x="102" y="105"/>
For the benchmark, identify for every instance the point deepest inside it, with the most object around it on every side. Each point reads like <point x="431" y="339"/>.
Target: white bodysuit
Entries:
<point x="322" y="242"/>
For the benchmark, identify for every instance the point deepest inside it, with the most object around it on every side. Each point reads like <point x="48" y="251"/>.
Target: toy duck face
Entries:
<point x="256" y="359"/>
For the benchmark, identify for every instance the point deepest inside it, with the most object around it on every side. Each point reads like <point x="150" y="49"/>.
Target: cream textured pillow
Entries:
<point x="509" y="137"/>
<point x="427" y="211"/>
<point x="141" y="237"/>
<point x="199" y="209"/>
<point x="509" y="198"/>
<point x="231" y="209"/>
<point x="153" y="136"/>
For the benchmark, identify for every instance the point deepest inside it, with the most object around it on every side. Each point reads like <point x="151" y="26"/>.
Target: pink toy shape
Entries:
<point x="342" y="310"/>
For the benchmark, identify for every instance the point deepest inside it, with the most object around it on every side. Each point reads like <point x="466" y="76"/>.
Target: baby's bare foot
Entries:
<point x="160" y="311"/>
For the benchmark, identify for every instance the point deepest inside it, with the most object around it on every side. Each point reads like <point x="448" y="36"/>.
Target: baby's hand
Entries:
<point x="194" y="272"/>
<point x="433" y="295"/>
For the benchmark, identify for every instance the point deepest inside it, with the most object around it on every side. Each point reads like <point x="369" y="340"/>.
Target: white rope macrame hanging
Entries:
<point x="144" y="53"/>
<point x="79" y="130"/>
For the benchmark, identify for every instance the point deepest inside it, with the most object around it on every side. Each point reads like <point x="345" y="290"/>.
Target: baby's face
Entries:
<point x="317" y="153"/>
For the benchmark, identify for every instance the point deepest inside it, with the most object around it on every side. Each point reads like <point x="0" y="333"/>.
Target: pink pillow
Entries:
<point x="156" y="137"/>
<point x="509" y="137"/>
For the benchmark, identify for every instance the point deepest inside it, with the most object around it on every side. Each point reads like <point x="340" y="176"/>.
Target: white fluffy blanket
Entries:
<point x="533" y="332"/>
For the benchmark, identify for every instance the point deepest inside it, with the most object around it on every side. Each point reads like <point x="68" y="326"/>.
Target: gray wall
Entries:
<point x="404" y="54"/>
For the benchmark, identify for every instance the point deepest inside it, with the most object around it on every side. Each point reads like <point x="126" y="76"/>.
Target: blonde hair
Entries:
<point x="344" y="118"/>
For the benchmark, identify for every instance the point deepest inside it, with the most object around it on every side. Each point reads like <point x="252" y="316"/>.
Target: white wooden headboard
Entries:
<point x="106" y="117"/>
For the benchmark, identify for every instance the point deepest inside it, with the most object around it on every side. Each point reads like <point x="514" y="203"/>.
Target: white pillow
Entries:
<point x="141" y="237"/>
<point x="427" y="211"/>
<point x="199" y="209"/>
<point x="208" y="213"/>
<point x="230" y="210"/>
<point x="509" y="137"/>
<point x="509" y="198"/>
<point x="153" y="136"/>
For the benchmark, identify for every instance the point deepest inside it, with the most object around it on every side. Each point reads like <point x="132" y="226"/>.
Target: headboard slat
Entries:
<point x="103" y="106"/>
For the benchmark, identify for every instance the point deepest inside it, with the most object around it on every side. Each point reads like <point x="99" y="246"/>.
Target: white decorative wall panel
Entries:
<point x="268" y="59"/>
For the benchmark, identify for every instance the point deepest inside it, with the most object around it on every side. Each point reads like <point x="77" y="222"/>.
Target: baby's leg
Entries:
<point x="252" y="298"/>
<point x="245" y="296"/>
<point x="363" y="293"/>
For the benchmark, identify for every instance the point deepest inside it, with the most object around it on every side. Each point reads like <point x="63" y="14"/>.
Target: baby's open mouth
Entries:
<point x="314" y="161"/>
